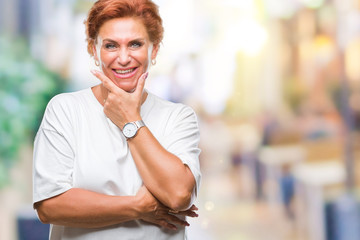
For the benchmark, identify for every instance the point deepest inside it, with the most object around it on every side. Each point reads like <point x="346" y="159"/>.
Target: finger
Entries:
<point x="163" y="223"/>
<point x="108" y="84"/>
<point x="175" y="220"/>
<point x="141" y="83"/>
<point x="194" y="208"/>
<point x="187" y="213"/>
<point x="173" y="211"/>
<point x="168" y="225"/>
<point x="171" y="226"/>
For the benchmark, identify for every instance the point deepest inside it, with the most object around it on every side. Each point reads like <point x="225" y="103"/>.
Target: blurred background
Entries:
<point x="275" y="84"/>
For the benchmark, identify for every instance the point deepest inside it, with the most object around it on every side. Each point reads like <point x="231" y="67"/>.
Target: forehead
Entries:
<point x="123" y="29"/>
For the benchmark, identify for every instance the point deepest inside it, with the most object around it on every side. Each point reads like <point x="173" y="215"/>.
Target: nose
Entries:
<point x="123" y="56"/>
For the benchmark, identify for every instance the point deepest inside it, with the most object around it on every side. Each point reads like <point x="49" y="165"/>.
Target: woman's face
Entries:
<point x="124" y="51"/>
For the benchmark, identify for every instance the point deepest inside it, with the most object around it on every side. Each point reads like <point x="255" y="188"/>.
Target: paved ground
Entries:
<point x="228" y="210"/>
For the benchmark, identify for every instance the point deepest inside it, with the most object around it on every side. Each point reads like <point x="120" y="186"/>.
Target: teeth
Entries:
<point x="124" y="71"/>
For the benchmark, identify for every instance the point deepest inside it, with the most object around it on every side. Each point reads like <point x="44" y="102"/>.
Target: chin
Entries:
<point x="126" y="87"/>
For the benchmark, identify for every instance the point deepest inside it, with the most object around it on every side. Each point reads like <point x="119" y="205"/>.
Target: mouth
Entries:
<point x="125" y="73"/>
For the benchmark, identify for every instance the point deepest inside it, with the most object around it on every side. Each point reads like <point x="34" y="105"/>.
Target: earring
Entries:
<point x="97" y="63"/>
<point x="153" y="61"/>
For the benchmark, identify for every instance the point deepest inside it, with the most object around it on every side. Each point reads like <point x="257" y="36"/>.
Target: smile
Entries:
<point x="124" y="71"/>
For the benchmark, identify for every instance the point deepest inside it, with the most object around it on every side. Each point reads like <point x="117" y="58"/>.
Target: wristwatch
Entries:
<point x="130" y="129"/>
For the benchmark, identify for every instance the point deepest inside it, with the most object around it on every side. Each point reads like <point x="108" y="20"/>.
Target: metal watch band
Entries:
<point x="139" y="123"/>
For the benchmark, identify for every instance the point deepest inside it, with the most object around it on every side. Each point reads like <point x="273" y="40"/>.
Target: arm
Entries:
<point x="81" y="208"/>
<point x="56" y="200"/>
<point x="86" y="209"/>
<point x="163" y="173"/>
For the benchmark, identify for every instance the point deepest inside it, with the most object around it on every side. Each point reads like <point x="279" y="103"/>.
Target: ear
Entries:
<point x="95" y="53"/>
<point x="155" y="51"/>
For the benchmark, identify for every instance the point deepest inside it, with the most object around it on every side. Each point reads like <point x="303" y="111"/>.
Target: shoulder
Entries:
<point x="168" y="106"/>
<point x="69" y="99"/>
<point x="173" y="111"/>
<point x="63" y="108"/>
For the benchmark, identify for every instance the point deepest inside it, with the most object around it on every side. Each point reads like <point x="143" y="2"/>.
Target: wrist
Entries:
<point x="137" y="207"/>
<point x="130" y="119"/>
<point x="131" y="129"/>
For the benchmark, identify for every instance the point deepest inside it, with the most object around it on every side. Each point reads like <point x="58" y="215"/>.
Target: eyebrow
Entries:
<point x="134" y="40"/>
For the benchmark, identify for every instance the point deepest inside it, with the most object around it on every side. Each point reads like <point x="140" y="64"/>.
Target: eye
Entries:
<point x="136" y="44"/>
<point x="110" y="46"/>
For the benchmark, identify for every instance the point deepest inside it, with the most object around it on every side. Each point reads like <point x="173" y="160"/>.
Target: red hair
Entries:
<point x="104" y="10"/>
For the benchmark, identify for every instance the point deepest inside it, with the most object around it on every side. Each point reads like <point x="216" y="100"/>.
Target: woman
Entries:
<point x="114" y="161"/>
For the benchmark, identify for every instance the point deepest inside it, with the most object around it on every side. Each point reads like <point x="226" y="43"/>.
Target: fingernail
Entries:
<point x="146" y="75"/>
<point x="93" y="71"/>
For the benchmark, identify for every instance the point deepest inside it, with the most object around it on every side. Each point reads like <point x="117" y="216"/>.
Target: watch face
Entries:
<point x="129" y="130"/>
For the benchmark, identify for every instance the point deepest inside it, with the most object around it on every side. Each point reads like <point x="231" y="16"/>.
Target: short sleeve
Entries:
<point x="183" y="141"/>
<point x="53" y="156"/>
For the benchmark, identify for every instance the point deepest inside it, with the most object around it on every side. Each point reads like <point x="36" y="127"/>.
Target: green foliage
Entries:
<point x="26" y="86"/>
<point x="83" y="6"/>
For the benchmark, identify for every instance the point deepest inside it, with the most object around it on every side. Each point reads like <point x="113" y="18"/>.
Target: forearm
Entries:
<point x="86" y="209"/>
<point x="163" y="173"/>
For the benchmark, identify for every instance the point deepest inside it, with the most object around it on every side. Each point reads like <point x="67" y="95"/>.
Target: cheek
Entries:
<point x="142" y="58"/>
<point x="106" y="58"/>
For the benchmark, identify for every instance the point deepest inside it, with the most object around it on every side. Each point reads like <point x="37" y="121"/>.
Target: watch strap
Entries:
<point x="139" y="124"/>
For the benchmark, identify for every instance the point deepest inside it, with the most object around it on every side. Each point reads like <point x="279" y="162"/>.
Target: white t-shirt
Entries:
<point x="77" y="146"/>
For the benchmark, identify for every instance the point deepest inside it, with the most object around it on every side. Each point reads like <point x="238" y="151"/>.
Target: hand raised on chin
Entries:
<point x="121" y="106"/>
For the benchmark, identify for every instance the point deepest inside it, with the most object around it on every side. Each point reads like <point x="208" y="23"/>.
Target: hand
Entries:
<point x="153" y="211"/>
<point x="120" y="106"/>
<point x="188" y="213"/>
